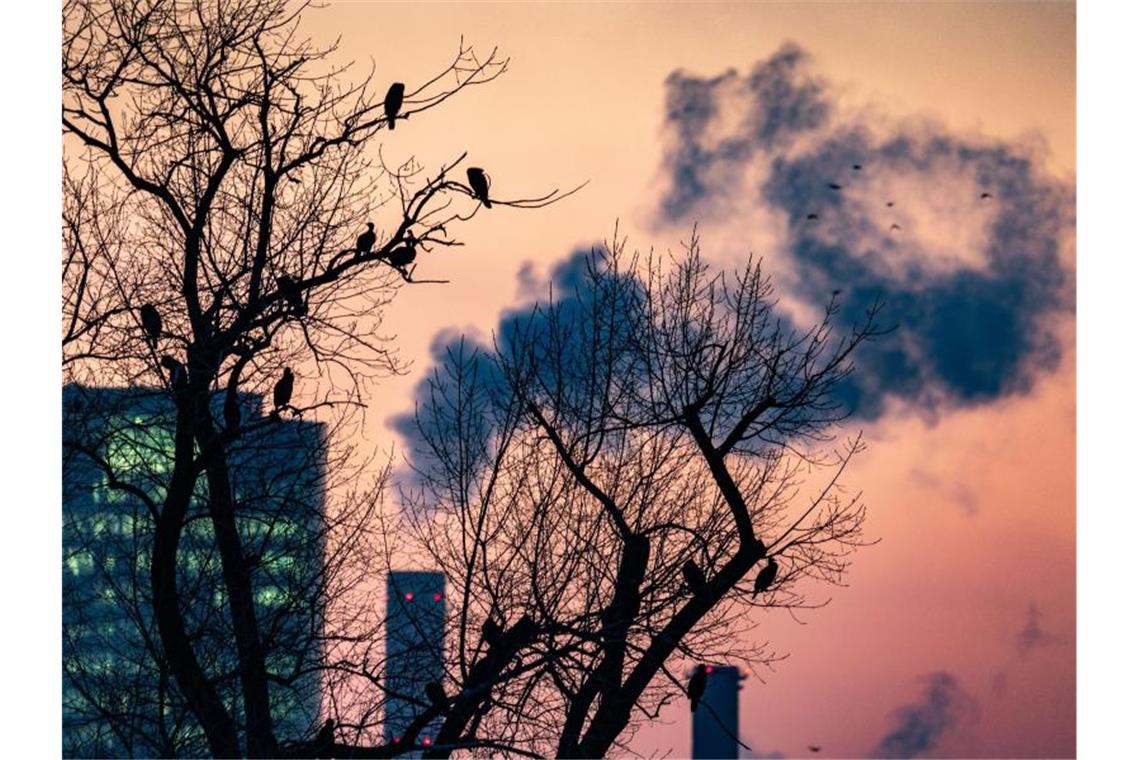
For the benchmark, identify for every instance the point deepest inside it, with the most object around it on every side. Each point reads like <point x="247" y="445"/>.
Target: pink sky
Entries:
<point x="974" y="505"/>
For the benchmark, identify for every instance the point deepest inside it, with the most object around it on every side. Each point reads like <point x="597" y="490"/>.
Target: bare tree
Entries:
<point x="219" y="177"/>
<point x="660" y="415"/>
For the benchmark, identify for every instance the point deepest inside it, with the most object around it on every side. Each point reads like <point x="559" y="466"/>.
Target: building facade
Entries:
<point x="716" y="722"/>
<point x="414" y="640"/>
<point x="119" y="699"/>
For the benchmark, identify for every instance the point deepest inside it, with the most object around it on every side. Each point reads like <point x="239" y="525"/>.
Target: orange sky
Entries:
<point x="975" y="508"/>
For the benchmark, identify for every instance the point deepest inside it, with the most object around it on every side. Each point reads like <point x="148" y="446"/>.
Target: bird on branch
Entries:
<point x="367" y="239"/>
<point x="436" y="695"/>
<point x="292" y="292"/>
<point x="325" y="738"/>
<point x="480" y="185"/>
<point x="152" y="323"/>
<point x="176" y="370"/>
<point x="694" y="578"/>
<point x="697" y="684"/>
<point x="765" y="577"/>
<point x="283" y="391"/>
<point x="392" y="102"/>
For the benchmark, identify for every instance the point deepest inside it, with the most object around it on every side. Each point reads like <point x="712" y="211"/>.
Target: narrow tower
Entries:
<point x="716" y="722"/>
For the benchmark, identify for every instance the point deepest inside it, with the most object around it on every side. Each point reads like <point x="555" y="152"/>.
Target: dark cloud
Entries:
<point x="972" y="324"/>
<point x="780" y="100"/>
<point x="919" y="726"/>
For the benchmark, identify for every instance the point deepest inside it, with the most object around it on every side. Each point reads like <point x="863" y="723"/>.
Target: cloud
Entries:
<point x="974" y="286"/>
<point x="919" y="726"/>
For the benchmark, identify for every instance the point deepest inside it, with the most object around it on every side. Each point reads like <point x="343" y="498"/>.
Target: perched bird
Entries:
<point x="814" y="748"/>
<point x="479" y="185"/>
<point x="402" y="256"/>
<point x="367" y="239"/>
<point x="292" y="292"/>
<point x="492" y="631"/>
<point x="232" y="412"/>
<point x="325" y="738"/>
<point x="175" y="369"/>
<point x="895" y="227"/>
<point x="985" y="196"/>
<point x="694" y="578"/>
<point x="436" y="694"/>
<point x="857" y="167"/>
<point x="812" y="217"/>
<point x="834" y="186"/>
<point x="283" y="390"/>
<point x="765" y="577"/>
<point x="392" y="102"/>
<point x="697" y="683"/>
<point x="152" y="323"/>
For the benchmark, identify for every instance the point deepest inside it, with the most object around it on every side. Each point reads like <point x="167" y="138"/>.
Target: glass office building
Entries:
<point x="414" y="636"/>
<point x="716" y="722"/>
<point x="119" y="698"/>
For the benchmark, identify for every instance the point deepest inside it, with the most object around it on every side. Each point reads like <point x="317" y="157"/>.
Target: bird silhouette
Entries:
<point x="836" y="292"/>
<point x="392" y="102"/>
<point x="325" y="738"/>
<point x="292" y="292"/>
<point x="694" y="578"/>
<point x="890" y="204"/>
<point x="367" y="239"/>
<point x="765" y="577"/>
<point x="857" y="167"/>
<point x="152" y="323"/>
<point x="436" y="694"/>
<point x="176" y="371"/>
<point x="479" y="185"/>
<point x="895" y="227"/>
<point x="834" y="186"/>
<point x="985" y="196"/>
<point x="402" y="255"/>
<point x="492" y="631"/>
<point x="283" y="390"/>
<point x="697" y="683"/>
<point x="812" y="217"/>
<point x="814" y="748"/>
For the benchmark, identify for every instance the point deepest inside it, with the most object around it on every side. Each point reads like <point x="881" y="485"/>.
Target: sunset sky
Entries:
<point x="956" y="634"/>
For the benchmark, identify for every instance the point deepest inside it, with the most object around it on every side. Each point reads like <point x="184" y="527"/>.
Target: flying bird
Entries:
<point x="857" y="167"/>
<point x="765" y="577"/>
<point x="367" y="239"/>
<point x="175" y="369"/>
<point x="890" y="204"/>
<point x="392" y="102"/>
<point x="436" y="694"/>
<point x="985" y="196"/>
<point x="814" y="748"/>
<point x="834" y="186"/>
<point x="813" y="217"/>
<point x="292" y="292"/>
<point x="479" y="185"/>
<point x="283" y="390"/>
<point x="492" y="631"/>
<point x="325" y="738"/>
<point x="895" y="227"/>
<point x="694" y="578"/>
<point x="152" y="323"/>
<point x="697" y="684"/>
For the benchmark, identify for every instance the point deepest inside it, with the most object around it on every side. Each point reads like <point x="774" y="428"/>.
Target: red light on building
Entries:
<point x="709" y="669"/>
<point x="437" y="596"/>
<point x="409" y="596"/>
<point x="427" y="741"/>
